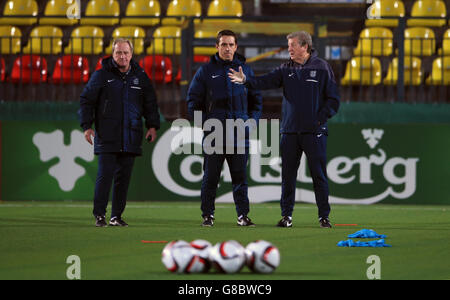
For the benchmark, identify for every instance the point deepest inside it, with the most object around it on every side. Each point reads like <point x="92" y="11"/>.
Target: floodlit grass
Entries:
<point x="37" y="238"/>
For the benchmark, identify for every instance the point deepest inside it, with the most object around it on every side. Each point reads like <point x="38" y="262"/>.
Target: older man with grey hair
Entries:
<point x="310" y="98"/>
<point x="115" y="100"/>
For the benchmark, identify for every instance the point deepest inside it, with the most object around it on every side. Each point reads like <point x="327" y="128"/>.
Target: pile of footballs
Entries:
<point x="199" y="256"/>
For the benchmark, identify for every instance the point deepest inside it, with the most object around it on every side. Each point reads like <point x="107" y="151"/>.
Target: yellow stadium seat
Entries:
<point x="384" y="8"/>
<point x="133" y="33"/>
<point x="374" y="41"/>
<point x="44" y="39"/>
<point x="205" y="50"/>
<point x="138" y="11"/>
<point x="364" y="70"/>
<point x="412" y="71"/>
<point x="108" y="9"/>
<point x="428" y="8"/>
<point x="10" y="39"/>
<point x="419" y="41"/>
<point x="56" y="14"/>
<point x="224" y="8"/>
<point x="85" y="40"/>
<point x="166" y="40"/>
<point x="13" y="8"/>
<point x="440" y="72"/>
<point x="188" y="8"/>
<point x="445" y="50"/>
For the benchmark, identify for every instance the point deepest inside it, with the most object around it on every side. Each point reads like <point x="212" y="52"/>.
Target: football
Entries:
<point x="202" y="249"/>
<point x="262" y="256"/>
<point x="227" y="257"/>
<point x="179" y="257"/>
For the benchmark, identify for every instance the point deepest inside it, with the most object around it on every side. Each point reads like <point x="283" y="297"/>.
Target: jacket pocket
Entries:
<point x="108" y="130"/>
<point x="136" y="132"/>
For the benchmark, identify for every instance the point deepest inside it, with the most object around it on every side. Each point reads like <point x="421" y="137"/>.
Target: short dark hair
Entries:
<point x="228" y="33"/>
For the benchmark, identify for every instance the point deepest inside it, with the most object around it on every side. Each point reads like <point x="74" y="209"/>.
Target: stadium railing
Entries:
<point x="265" y="38"/>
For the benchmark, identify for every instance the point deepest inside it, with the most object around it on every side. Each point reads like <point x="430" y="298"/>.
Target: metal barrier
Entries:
<point x="388" y="69"/>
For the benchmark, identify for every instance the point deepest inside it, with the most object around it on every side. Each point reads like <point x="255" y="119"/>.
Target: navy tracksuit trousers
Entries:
<point x="113" y="169"/>
<point x="212" y="167"/>
<point x="314" y="146"/>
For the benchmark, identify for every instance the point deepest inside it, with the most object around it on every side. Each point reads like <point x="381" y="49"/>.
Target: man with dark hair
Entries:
<point x="310" y="98"/>
<point x="115" y="99"/>
<point x="212" y="93"/>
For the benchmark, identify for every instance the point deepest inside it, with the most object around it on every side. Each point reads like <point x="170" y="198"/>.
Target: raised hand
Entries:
<point x="237" y="77"/>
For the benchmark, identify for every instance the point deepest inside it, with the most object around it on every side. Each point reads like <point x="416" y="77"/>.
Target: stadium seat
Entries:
<point x="134" y="33"/>
<point x="412" y="71"/>
<point x="205" y="50"/>
<point x="98" y="66"/>
<point x="188" y="8"/>
<point x="85" y="40"/>
<point x="71" y="69"/>
<point x="144" y="9"/>
<point x="384" y="8"/>
<point x="364" y="70"/>
<point x="199" y="59"/>
<point x="44" y="39"/>
<point x="166" y="41"/>
<point x="445" y="50"/>
<point x="2" y="69"/>
<point x="28" y="8"/>
<point x="157" y="67"/>
<point x="108" y="9"/>
<point x="29" y="69"/>
<point x="440" y="72"/>
<point x="428" y="8"/>
<point x="224" y="8"/>
<point x="10" y="39"/>
<point x="374" y="41"/>
<point x="55" y="13"/>
<point x="419" y="41"/>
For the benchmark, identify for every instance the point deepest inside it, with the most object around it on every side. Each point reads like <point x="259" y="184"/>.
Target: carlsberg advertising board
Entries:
<point x="367" y="164"/>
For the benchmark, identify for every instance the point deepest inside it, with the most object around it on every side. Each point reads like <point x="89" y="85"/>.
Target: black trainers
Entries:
<point x="245" y="221"/>
<point x="285" y="222"/>
<point x="100" y="221"/>
<point x="208" y="221"/>
<point x="324" y="223"/>
<point x="117" y="221"/>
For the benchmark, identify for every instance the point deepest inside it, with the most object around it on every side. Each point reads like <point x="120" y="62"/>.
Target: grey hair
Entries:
<point x="122" y="40"/>
<point x="303" y="38"/>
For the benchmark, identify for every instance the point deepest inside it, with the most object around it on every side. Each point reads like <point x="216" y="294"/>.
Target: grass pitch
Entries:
<point x="37" y="237"/>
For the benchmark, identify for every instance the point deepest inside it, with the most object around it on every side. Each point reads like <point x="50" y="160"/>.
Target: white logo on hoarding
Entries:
<point x="340" y="169"/>
<point x="66" y="171"/>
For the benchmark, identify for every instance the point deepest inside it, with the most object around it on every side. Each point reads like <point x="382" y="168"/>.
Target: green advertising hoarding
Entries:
<point x="367" y="163"/>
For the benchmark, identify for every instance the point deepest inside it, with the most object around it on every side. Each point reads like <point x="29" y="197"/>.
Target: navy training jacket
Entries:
<point x="310" y="94"/>
<point x="212" y="92"/>
<point x="116" y="102"/>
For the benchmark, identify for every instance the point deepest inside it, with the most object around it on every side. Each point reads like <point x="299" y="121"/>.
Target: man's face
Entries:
<point x="226" y="47"/>
<point x="122" y="55"/>
<point x="296" y="51"/>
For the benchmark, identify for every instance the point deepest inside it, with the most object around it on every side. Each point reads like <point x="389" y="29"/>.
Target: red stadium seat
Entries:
<point x="157" y="67"/>
<point x="2" y="69"/>
<point x="71" y="69"/>
<point x="197" y="59"/>
<point x="29" y="69"/>
<point x="99" y="62"/>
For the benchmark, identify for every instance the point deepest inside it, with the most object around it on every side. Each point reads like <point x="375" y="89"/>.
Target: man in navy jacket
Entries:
<point x="114" y="100"/>
<point x="212" y="93"/>
<point x="310" y="98"/>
